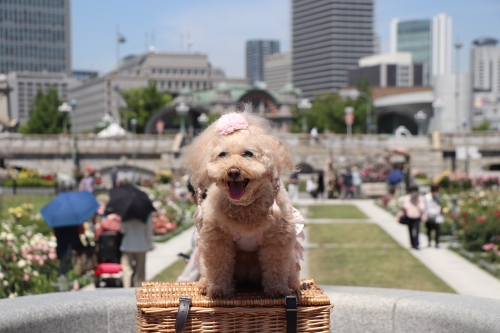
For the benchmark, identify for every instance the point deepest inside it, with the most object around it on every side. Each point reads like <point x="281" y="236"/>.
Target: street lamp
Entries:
<point x="466" y="157"/>
<point x="203" y="120"/>
<point x="355" y="94"/>
<point x="73" y="103"/>
<point x="133" y="122"/>
<point x="458" y="45"/>
<point x="420" y="118"/>
<point x="348" y="110"/>
<point x="182" y="110"/>
<point x="304" y="105"/>
<point x="120" y="39"/>
<point x="65" y="108"/>
<point x="438" y="105"/>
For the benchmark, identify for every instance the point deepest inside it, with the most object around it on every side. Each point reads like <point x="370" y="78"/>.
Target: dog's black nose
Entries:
<point x="233" y="172"/>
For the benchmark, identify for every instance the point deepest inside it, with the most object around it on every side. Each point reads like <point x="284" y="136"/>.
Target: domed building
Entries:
<point x="225" y="98"/>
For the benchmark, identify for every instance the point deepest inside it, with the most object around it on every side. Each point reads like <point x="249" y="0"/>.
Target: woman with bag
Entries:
<point x="414" y="210"/>
<point x="433" y="212"/>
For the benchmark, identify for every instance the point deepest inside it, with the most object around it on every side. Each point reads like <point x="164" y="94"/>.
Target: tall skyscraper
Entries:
<point x="429" y="41"/>
<point x="35" y="36"/>
<point x="328" y="38"/>
<point x="485" y="75"/>
<point x="256" y="51"/>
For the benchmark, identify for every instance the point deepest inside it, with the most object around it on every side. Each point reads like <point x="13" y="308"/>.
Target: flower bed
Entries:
<point x="28" y="263"/>
<point x="26" y="178"/>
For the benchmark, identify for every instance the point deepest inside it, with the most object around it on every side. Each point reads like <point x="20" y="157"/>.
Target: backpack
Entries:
<point x="432" y="207"/>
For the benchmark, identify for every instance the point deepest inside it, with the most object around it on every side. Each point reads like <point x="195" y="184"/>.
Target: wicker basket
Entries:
<point x="250" y="311"/>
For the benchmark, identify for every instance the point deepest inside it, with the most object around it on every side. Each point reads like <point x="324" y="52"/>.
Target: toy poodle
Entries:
<point x="247" y="225"/>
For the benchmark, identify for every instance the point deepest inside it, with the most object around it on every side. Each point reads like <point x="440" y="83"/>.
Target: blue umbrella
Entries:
<point x="69" y="208"/>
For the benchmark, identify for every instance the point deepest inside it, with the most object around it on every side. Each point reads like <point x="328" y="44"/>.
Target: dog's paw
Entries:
<point x="220" y="292"/>
<point x="202" y="286"/>
<point x="278" y="291"/>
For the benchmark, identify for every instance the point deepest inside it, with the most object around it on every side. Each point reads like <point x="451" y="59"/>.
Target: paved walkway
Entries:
<point x="461" y="275"/>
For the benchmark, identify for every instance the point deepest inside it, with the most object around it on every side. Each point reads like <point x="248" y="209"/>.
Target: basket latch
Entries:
<point x="291" y="314"/>
<point x="182" y="314"/>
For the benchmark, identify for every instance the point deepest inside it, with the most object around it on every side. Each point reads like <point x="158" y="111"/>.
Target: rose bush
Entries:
<point x="28" y="263"/>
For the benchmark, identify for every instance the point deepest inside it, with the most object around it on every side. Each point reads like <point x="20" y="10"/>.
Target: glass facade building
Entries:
<point x="35" y="36"/>
<point x="416" y="37"/>
<point x="256" y="51"/>
<point x="429" y="42"/>
<point x="328" y="38"/>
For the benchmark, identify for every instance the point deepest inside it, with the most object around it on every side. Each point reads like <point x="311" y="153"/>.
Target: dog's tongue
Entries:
<point x="236" y="190"/>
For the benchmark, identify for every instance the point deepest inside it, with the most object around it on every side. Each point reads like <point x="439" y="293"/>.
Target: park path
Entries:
<point x="460" y="274"/>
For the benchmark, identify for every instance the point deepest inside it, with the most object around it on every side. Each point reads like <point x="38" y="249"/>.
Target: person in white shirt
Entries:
<point x="433" y="213"/>
<point x="311" y="187"/>
<point x="356" y="182"/>
<point x="314" y="134"/>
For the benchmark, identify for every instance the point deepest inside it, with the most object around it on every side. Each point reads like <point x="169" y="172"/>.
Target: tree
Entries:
<point x="327" y="113"/>
<point x="142" y="103"/>
<point x="45" y="117"/>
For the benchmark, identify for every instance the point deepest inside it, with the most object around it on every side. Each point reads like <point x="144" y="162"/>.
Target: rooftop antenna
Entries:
<point x="146" y="41"/>
<point x="182" y="42"/>
<point x="189" y="42"/>
<point x="152" y="47"/>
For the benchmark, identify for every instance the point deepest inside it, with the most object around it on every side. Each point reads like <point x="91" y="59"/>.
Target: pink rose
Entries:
<point x="26" y="277"/>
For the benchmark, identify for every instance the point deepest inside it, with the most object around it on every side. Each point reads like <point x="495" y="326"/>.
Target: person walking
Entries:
<point x="68" y="239"/>
<point x="314" y="135"/>
<point x="433" y="213"/>
<point x="356" y="182"/>
<point x="293" y="187"/>
<point x="311" y="187"/>
<point x="346" y="184"/>
<point x="114" y="176"/>
<point x="414" y="208"/>
<point x="320" y="188"/>
<point x="137" y="240"/>
<point x="87" y="183"/>
<point x="394" y="180"/>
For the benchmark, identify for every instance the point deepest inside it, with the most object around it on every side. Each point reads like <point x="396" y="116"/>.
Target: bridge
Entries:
<point x="430" y="154"/>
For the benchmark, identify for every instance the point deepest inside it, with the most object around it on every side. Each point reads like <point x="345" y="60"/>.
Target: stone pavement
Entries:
<point x="461" y="275"/>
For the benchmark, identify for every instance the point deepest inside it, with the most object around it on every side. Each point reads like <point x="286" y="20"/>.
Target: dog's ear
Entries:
<point x="281" y="155"/>
<point x="196" y="157"/>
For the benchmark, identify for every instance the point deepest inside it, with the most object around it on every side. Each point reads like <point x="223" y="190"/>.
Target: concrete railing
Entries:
<point x="355" y="310"/>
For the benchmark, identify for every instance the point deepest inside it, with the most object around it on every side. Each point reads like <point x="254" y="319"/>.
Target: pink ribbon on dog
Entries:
<point x="230" y="122"/>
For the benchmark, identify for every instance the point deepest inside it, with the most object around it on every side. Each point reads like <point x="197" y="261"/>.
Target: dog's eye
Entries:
<point x="223" y="154"/>
<point x="247" y="153"/>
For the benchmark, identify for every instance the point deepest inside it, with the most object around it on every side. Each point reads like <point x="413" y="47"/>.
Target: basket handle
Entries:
<point x="182" y="314"/>
<point x="291" y="314"/>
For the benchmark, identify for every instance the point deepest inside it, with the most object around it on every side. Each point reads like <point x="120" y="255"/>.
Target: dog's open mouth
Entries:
<point x="237" y="188"/>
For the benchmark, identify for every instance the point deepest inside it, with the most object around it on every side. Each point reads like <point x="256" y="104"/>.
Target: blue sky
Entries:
<point x="221" y="27"/>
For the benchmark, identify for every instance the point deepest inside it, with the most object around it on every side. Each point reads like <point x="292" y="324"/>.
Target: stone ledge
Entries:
<point x="356" y="309"/>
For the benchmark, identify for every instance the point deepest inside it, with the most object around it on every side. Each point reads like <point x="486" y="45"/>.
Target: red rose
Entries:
<point x="464" y="214"/>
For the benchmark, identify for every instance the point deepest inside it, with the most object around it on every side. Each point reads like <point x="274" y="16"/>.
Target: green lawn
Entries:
<point x="11" y="200"/>
<point x="171" y="273"/>
<point x="335" y="212"/>
<point x="358" y="254"/>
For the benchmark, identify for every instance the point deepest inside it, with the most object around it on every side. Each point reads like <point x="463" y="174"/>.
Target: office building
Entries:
<point x="429" y="41"/>
<point x="25" y="86"/>
<point x="278" y="71"/>
<point x="256" y="51"/>
<point x="485" y="75"/>
<point x="328" y="38"/>
<point x="172" y="73"/>
<point x="35" y="36"/>
<point x="388" y="70"/>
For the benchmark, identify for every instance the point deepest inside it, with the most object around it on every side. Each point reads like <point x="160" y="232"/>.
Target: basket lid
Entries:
<point x="166" y="294"/>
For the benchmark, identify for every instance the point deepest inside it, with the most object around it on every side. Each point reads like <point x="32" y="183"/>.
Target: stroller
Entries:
<point x="109" y="270"/>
